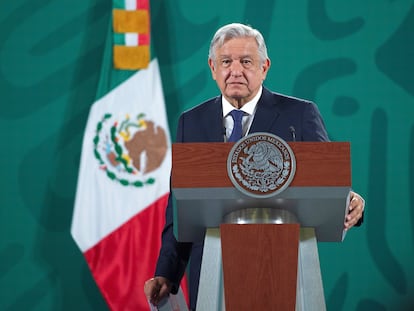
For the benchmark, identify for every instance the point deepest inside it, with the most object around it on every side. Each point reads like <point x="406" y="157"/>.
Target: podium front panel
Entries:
<point x="204" y="194"/>
<point x="322" y="208"/>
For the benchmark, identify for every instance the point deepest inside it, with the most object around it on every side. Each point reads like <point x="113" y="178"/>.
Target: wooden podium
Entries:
<point x="265" y="265"/>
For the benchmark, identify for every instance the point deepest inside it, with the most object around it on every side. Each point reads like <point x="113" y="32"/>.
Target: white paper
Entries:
<point x="171" y="303"/>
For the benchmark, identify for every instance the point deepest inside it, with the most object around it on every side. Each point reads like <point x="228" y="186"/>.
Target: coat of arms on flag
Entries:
<point x="129" y="148"/>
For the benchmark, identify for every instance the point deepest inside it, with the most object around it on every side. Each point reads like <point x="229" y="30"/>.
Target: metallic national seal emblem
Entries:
<point x="261" y="165"/>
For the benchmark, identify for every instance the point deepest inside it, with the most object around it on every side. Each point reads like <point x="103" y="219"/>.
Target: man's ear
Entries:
<point x="265" y="68"/>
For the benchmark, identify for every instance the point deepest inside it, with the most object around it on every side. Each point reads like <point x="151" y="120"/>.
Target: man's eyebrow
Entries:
<point x="240" y="57"/>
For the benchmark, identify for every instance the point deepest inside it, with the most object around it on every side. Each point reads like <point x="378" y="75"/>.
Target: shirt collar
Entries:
<point x="249" y="108"/>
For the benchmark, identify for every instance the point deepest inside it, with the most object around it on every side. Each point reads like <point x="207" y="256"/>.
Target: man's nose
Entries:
<point x="236" y="68"/>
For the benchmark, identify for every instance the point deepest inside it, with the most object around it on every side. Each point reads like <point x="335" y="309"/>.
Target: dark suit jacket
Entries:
<point x="275" y="114"/>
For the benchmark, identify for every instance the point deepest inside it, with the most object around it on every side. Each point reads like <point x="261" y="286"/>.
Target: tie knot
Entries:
<point x="237" y="115"/>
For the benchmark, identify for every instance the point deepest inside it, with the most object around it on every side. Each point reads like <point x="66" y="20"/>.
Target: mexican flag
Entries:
<point x="123" y="182"/>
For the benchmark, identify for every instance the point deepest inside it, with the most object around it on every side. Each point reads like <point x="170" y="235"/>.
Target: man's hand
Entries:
<point x="356" y="208"/>
<point x="156" y="289"/>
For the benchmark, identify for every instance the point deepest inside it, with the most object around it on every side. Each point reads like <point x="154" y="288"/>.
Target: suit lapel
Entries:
<point x="214" y="121"/>
<point x="266" y="113"/>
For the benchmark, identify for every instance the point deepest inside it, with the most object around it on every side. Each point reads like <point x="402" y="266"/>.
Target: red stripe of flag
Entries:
<point x="121" y="262"/>
<point x="143" y="39"/>
<point x="142" y="4"/>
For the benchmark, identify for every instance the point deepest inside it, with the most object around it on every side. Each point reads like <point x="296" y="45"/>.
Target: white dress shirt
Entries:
<point x="249" y="110"/>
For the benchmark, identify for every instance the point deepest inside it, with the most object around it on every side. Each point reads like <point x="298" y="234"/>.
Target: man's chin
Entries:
<point x="237" y="100"/>
<point x="236" y="95"/>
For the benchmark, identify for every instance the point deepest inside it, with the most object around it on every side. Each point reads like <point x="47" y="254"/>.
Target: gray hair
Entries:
<point x="236" y="30"/>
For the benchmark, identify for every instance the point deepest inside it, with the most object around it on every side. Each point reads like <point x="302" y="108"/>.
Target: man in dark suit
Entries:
<point x="239" y="64"/>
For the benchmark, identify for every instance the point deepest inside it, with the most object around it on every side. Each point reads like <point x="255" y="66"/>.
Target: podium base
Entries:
<point x="309" y="294"/>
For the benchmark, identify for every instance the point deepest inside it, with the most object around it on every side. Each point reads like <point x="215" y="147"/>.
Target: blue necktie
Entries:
<point x="237" y="132"/>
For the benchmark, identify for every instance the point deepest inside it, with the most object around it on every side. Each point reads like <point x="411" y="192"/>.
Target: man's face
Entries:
<point x="238" y="70"/>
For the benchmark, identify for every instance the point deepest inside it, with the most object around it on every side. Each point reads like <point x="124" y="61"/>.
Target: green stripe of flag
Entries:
<point x="119" y="38"/>
<point x="118" y="4"/>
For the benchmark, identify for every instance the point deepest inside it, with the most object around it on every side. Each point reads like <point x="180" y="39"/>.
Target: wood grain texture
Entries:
<point x="260" y="266"/>
<point x="318" y="164"/>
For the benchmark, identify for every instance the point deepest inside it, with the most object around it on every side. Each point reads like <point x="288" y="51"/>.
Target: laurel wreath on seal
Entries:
<point x="262" y="181"/>
<point x="119" y="151"/>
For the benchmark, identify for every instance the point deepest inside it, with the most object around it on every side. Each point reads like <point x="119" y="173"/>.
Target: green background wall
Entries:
<point x="354" y="58"/>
